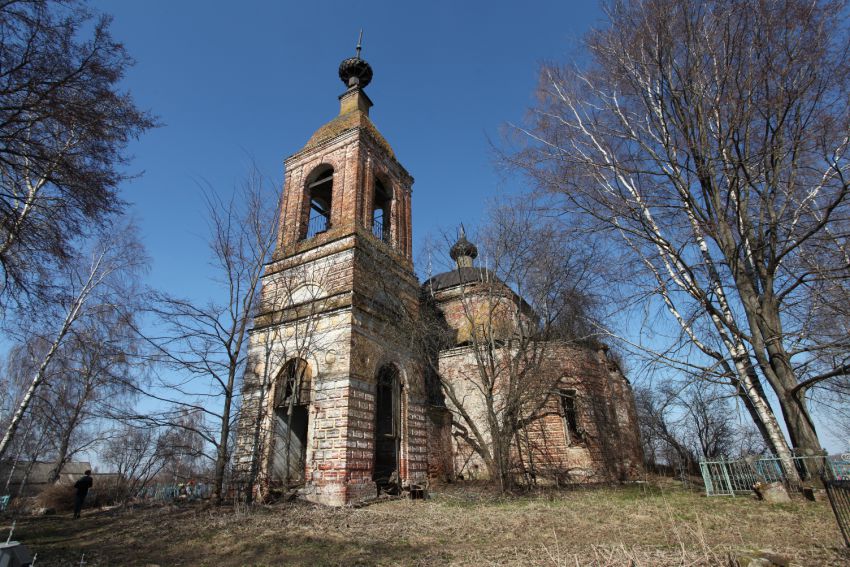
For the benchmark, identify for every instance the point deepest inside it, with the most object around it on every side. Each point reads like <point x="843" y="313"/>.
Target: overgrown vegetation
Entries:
<point x="459" y="525"/>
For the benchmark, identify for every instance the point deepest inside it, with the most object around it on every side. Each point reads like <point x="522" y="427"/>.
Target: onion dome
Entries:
<point x="356" y="72"/>
<point x="463" y="251"/>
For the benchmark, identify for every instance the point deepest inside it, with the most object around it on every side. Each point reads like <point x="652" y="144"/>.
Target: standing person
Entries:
<point x="82" y="487"/>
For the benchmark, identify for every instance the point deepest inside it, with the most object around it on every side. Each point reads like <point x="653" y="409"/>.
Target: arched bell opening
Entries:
<point x="387" y="429"/>
<point x="319" y="197"/>
<point x="381" y="207"/>
<point x="291" y="418"/>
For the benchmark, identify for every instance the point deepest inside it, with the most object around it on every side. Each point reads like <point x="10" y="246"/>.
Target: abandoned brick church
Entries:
<point x="335" y="398"/>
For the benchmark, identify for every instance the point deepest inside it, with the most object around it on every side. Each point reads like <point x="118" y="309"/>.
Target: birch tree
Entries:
<point x="94" y="375"/>
<point x="64" y="127"/>
<point x="709" y="140"/>
<point x="98" y="282"/>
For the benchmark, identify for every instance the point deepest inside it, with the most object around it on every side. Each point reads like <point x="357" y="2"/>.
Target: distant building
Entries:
<point x="335" y="398"/>
<point x="35" y="477"/>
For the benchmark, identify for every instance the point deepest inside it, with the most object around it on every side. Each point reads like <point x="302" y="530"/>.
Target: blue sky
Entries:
<point x="242" y="82"/>
<point x="251" y="81"/>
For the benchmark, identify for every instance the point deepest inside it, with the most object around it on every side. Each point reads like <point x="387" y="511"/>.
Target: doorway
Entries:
<point x="387" y="429"/>
<point x="291" y="419"/>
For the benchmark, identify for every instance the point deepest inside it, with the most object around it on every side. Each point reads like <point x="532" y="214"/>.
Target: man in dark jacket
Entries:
<point x="82" y="487"/>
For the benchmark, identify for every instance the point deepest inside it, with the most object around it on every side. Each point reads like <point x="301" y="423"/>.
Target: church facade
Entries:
<point x="335" y="399"/>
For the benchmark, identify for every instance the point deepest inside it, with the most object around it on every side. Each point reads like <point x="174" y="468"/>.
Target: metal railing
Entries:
<point x="379" y="232"/>
<point x="165" y="492"/>
<point x="725" y="477"/>
<point x="317" y="225"/>
<point x="838" y="492"/>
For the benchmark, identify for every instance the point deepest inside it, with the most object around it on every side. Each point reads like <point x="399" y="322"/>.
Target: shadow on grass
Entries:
<point x="187" y="536"/>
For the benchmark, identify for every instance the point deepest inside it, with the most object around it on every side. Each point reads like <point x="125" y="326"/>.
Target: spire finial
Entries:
<point x="359" y="43"/>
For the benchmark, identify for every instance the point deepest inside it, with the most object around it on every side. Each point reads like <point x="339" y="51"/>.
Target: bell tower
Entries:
<point x="346" y="178"/>
<point x="333" y="396"/>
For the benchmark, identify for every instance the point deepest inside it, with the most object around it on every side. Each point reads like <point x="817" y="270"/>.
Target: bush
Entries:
<point x="59" y="497"/>
<point x="107" y="492"/>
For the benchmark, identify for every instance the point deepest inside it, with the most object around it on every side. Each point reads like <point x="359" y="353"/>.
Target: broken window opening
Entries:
<point x="320" y="195"/>
<point x="387" y="429"/>
<point x="291" y="421"/>
<point x="294" y="376"/>
<point x="570" y="416"/>
<point x="381" y="228"/>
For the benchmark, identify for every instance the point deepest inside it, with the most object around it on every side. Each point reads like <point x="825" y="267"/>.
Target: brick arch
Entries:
<point x="318" y="201"/>
<point x="283" y="374"/>
<point x="388" y="360"/>
<point x="289" y="422"/>
<point x="399" y="221"/>
<point x="306" y="291"/>
<point x="385" y="202"/>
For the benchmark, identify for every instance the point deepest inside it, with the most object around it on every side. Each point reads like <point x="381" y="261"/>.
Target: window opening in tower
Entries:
<point x="381" y="213"/>
<point x="321" y="192"/>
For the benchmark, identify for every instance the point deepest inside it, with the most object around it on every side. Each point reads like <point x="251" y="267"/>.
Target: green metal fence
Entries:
<point x="727" y="477"/>
<point x="839" y="498"/>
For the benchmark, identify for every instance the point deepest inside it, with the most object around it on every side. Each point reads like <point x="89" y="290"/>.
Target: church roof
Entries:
<point x="345" y="122"/>
<point x="356" y="74"/>
<point x="460" y="276"/>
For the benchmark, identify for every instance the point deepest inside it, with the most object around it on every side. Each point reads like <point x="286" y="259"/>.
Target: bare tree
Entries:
<point x="207" y="342"/>
<point x="510" y="318"/>
<point x="92" y="378"/>
<point x="277" y="377"/>
<point x="64" y="126"/>
<point x="663" y="443"/>
<point x="98" y="283"/>
<point x="682" y="423"/>
<point x="709" y="139"/>
<point x="709" y="421"/>
<point x="138" y="455"/>
<point x="32" y="444"/>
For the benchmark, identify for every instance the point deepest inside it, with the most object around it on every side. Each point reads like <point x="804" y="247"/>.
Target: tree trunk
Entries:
<point x="221" y="456"/>
<point x="775" y="364"/>
<point x="61" y="458"/>
<point x="762" y="312"/>
<point x="256" y="449"/>
<point x="36" y="382"/>
<point x="775" y="437"/>
<point x="65" y="441"/>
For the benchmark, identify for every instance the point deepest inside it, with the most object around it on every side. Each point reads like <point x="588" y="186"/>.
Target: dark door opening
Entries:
<point x="387" y="429"/>
<point x="292" y="396"/>
<point x="290" y="455"/>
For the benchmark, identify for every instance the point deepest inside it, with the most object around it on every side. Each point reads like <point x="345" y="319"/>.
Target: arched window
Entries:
<point x="381" y="212"/>
<point x="293" y="378"/>
<point x="319" y="196"/>
<point x="569" y="413"/>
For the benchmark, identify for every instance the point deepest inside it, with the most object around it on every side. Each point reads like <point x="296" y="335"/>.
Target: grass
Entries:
<point x="459" y="525"/>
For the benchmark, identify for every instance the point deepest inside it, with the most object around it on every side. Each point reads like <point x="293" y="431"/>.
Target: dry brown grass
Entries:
<point x="57" y="497"/>
<point x="636" y="525"/>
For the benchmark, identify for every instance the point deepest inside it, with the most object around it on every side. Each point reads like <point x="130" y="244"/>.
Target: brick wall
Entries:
<point x="608" y="448"/>
<point x="354" y="296"/>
